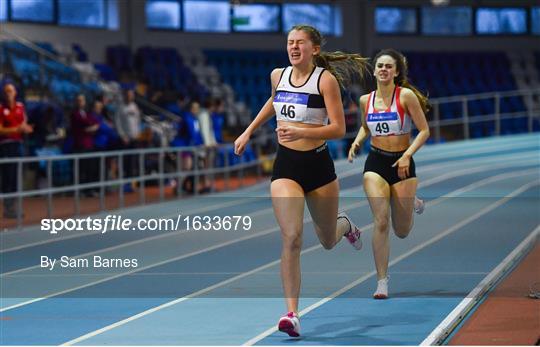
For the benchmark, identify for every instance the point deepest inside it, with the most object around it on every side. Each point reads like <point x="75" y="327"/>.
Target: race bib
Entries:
<point x="384" y="123"/>
<point x="291" y="106"/>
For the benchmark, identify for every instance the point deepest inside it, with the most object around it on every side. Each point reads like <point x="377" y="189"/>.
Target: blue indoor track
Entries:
<point x="224" y="288"/>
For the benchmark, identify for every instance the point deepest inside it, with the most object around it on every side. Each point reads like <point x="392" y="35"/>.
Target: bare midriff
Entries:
<point x="302" y="144"/>
<point x="397" y="143"/>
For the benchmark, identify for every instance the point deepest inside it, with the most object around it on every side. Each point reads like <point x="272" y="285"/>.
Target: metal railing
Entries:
<point x="465" y="118"/>
<point x="175" y="172"/>
<point x="175" y="155"/>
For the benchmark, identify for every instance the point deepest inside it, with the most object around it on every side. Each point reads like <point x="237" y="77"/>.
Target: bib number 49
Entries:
<point x="382" y="128"/>
<point x="288" y="111"/>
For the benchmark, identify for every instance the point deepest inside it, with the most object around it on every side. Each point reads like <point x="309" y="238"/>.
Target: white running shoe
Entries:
<point x="419" y="205"/>
<point x="290" y="324"/>
<point x="354" y="233"/>
<point x="382" y="289"/>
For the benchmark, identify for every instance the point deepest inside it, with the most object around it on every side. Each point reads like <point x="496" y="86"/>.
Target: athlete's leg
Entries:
<point x="378" y="193"/>
<point x="323" y="206"/>
<point x="402" y="202"/>
<point x="288" y="203"/>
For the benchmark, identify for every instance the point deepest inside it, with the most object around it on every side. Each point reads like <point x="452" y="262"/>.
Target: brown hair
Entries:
<point x="402" y="78"/>
<point x="346" y="67"/>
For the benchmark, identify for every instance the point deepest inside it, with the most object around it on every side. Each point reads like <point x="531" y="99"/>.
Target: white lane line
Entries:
<point x="189" y="212"/>
<point x="443" y="330"/>
<point x="151" y="274"/>
<point x="274" y="229"/>
<point x="459" y="173"/>
<point x="139" y="241"/>
<point x="482" y="167"/>
<point x="403" y="256"/>
<point x="422" y="184"/>
<point x="321" y="302"/>
<point x="176" y="301"/>
<point x="434" y="152"/>
<point x="348" y="173"/>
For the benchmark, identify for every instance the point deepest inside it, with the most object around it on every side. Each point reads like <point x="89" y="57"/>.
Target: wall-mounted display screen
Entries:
<point x="256" y="17"/>
<point x="395" y="20"/>
<point x="163" y="14"/>
<point x="32" y="10"/>
<point x="325" y="17"/>
<point x="452" y="20"/>
<point x="493" y="21"/>
<point x="209" y="16"/>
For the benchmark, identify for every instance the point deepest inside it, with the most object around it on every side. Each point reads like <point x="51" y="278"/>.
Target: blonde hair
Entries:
<point x="402" y="78"/>
<point x="346" y="67"/>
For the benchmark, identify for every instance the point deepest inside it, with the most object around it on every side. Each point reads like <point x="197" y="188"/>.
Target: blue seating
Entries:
<point x="106" y="72"/>
<point x="247" y="72"/>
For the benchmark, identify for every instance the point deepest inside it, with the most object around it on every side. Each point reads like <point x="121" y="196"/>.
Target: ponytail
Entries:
<point x="347" y="68"/>
<point x="423" y="99"/>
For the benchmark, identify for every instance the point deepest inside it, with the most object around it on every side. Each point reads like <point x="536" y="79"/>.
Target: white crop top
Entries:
<point x="393" y="121"/>
<point x="303" y="104"/>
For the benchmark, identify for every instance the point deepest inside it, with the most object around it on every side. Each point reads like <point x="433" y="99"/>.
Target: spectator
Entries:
<point x="180" y="106"/>
<point x="49" y="128"/>
<point x="209" y="139"/>
<point x="218" y="119"/>
<point x="128" y="125"/>
<point x="195" y="138"/>
<point x="106" y="137"/>
<point x="84" y="127"/>
<point x="207" y="127"/>
<point x="46" y="140"/>
<point x="109" y="109"/>
<point x="13" y="126"/>
<point x="128" y="120"/>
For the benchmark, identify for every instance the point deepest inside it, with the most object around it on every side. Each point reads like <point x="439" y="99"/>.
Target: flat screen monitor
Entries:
<point x="163" y="14"/>
<point x="88" y="13"/>
<point x="395" y="20"/>
<point x="32" y="10"/>
<point x="452" y="20"/>
<point x="256" y="18"/>
<point x="325" y="17"/>
<point x="207" y="16"/>
<point x="497" y="21"/>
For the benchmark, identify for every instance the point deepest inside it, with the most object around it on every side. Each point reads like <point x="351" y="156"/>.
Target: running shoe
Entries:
<point x="354" y="233"/>
<point x="290" y="324"/>
<point x="382" y="289"/>
<point x="419" y="205"/>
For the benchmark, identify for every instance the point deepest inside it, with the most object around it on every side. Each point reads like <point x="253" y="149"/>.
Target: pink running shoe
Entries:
<point x="354" y="233"/>
<point x="290" y="324"/>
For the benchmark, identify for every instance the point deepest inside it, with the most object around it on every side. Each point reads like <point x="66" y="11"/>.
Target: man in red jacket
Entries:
<point x="13" y="126"/>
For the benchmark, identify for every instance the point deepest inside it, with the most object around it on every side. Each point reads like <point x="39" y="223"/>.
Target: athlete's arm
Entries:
<point x="363" y="133"/>
<point x="410" y="102"/>
<point x="266" y="112"/>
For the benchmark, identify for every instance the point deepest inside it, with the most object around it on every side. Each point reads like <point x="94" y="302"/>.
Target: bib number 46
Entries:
<point x="288" y="111"/>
